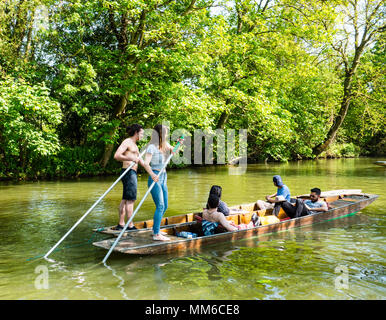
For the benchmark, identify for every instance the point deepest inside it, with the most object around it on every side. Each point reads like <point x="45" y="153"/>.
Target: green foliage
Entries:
<point x="366" y="121"/>
<point x="340" y="150"/>
<point x="28" y="122"/>
<point x="71" y="84"/>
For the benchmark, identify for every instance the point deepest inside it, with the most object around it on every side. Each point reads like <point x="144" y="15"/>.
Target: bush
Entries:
<point x="341" y="150"/>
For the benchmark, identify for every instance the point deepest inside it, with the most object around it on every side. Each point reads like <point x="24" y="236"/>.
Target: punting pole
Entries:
<point x="140" y="204"/>
<point x="92" y="207"/>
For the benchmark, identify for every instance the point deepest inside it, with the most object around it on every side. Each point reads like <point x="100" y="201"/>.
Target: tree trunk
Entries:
<point x="20" y="26"/>
<point x="334" y="128"/>
<point x="107" y="154"/>
<point x="345" y="104"/>
<point x="119" y="109"/>
<point x="27" y="53"/>
<point x="123" y="41"/>
<point x="223" y="119"/>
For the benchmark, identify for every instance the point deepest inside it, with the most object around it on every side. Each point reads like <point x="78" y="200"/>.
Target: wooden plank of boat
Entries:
<point x="140" y="242"/>
<point x="167" y="221"/>
<point x="380" y="163"/>
<point x="237" y="209"/>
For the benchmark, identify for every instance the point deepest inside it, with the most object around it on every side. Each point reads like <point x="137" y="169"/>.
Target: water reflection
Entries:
<point x="295" y="264"/>
<point x="121" y="282"/>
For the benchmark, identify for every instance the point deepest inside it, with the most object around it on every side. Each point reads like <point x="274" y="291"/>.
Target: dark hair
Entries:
<point x="133" y="129"/>
<point x="317" y="191"/>
<point x="213" y="201"/>
<point x="216" y="190"/>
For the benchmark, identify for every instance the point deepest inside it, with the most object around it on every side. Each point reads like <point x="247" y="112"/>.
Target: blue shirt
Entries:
<point x="284" y="191"/>
<point x="158" y="159"/>
<point x="317" y="204"/>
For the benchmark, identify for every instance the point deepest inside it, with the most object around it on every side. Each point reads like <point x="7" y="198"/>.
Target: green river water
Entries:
<point x="301" y="263"/>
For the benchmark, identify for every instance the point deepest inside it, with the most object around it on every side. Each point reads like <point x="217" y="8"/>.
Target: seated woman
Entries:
<point x="211" y="218"/>
<point x="222" y="206"/>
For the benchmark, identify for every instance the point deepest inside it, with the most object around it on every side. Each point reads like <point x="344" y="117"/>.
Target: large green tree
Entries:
<point x="261" y="72"/>
<point x="114" y="60"/>
<point x="362" y="24"/>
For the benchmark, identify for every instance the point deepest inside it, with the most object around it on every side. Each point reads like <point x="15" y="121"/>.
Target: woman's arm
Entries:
<point x="170" y="148"/>
<point x="148" y="157"/>
<point x="225" y="223"/>
<point x="147" y="167"/>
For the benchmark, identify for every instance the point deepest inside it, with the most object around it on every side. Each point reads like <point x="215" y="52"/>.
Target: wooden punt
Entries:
<point x="380" y="163"/>
<point x="238" y="209"/>
<point x="140" y="241"/>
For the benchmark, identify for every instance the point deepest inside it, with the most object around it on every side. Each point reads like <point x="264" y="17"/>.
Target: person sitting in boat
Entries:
<point x="276" y="198"/>
<point x="222" y="206"/>
<point x="309" y="206"/>
<point x="211" y="218"/>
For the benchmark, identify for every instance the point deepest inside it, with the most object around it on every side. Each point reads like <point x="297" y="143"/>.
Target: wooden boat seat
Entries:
<point x="234" y="218"/>
<point x="176" y="219"/>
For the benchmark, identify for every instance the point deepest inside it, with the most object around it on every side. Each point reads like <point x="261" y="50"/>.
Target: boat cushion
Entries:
<point x="198" y="218"/>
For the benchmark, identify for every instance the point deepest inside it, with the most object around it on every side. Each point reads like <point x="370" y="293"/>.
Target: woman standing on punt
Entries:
<point x="156" y="155"/>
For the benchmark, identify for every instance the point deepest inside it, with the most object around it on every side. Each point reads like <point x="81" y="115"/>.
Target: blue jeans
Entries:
<point x="159" y="194"/>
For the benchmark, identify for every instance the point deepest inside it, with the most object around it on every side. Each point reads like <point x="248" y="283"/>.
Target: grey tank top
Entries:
<point x="158" y="159"/>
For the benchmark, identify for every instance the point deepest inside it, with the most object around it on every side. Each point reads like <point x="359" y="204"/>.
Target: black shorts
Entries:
<point x="129" y="182"/>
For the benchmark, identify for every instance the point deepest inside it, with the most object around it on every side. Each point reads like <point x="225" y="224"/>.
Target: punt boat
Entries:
<point x="341" y="203"/>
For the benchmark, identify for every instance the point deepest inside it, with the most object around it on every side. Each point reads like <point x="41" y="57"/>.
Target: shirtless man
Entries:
<point x="126" y="153"/>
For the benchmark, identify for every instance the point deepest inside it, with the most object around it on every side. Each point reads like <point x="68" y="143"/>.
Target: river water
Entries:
<point x="340" y="259"/>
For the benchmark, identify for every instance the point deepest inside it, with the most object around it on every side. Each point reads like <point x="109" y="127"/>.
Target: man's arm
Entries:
<point x="271" y="196"/>
<point x="120" y="153"/>
<point x="322" y="208"/>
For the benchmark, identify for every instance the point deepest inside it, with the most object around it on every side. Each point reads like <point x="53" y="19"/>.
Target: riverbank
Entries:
<point x="88" y="170"/>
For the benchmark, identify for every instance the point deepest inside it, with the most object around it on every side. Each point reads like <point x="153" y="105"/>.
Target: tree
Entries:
<point x="264" y="77"/>
<point x="128" y="46"/>
<point x="365" y="121"/>
<point x="28" y="122"/>
<point x="366" y="18"/>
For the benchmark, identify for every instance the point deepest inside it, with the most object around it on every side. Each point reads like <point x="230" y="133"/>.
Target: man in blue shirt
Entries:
<point x="309" y="206"/>
<point x="282" y="193"/>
